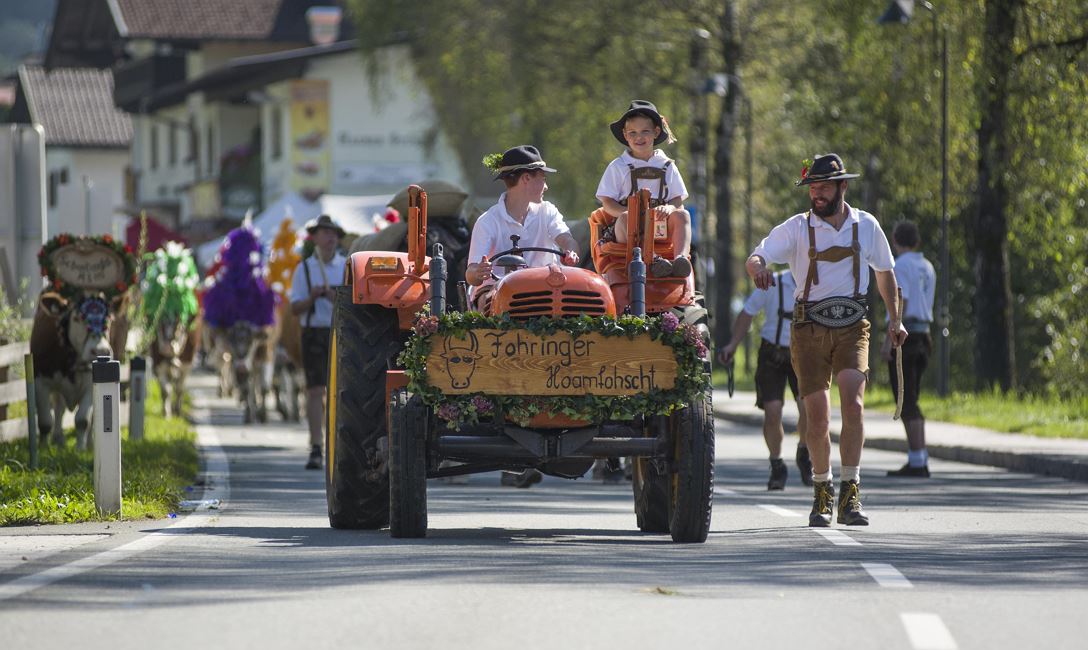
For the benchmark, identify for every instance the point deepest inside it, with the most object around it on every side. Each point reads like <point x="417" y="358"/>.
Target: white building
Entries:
<point x="87" y="143"/>
<point x="235" y="104"/>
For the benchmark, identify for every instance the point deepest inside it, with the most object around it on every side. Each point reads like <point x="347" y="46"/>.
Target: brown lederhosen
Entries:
<point x="818" y="352"/>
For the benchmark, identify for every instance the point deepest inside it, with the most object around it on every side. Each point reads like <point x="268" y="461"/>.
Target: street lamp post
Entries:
<point x="901" y="12"/>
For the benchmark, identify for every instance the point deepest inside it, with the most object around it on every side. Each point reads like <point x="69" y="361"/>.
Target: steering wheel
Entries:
<point x="516" y="260"/>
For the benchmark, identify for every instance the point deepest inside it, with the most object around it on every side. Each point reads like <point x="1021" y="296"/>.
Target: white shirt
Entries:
<point x="616" y="181"/>
<point x="918" y="281"/>
<point x="333" y="276"/>
<point x="767" y="300"/>
<point x="492" y="231"/>
<point x="788" y="244"/>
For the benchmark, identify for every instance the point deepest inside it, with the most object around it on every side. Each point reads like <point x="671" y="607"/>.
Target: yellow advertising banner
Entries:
<point x="518" y="362"/>
<point x="310" y="149"/>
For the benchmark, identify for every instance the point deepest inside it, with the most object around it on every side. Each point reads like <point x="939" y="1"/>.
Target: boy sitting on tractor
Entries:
<point x="522" y="211"/>
<point x="641" y="166"/>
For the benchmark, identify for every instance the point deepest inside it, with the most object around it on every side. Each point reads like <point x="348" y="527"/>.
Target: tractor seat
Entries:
<point x="609" y="257"/>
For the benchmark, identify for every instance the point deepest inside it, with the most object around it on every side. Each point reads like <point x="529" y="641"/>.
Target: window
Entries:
<point x="173" y="144"/>
<point x="211" y="151"/>
<point x="193" y="155"/>
<point x="154" y="145"/>
<point x="277" y="132"/>
<point x="54" y="181"/>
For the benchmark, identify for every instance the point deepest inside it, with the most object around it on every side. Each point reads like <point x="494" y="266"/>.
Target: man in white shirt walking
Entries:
<point x="825" y="248"/>
<point x="918" y="281"/>
<point x="774" y="370"/>
<point x="311" y="299"/>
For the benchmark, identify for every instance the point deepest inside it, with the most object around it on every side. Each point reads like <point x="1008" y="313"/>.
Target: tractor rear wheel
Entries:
<point x="691" y="489"/>
<point x="364" y="341"/>
<point x="408" y="466"/>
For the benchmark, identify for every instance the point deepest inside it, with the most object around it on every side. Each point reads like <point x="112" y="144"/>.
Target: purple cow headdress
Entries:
<point x="238" y="291"/>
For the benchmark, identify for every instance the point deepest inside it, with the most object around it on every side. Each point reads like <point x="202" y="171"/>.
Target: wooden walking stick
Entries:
<point x="898" y="354"/>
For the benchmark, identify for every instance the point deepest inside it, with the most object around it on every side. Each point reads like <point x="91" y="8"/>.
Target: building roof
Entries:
<point x="75" y="107"/>
<point x="239" y="75"/>
<point x="197" y="19"/>
<point x="93" y="32"/>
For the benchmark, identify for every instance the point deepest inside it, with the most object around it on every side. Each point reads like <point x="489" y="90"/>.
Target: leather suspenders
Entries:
<point x="650" y="173"/>
<point x="831" y="254"/>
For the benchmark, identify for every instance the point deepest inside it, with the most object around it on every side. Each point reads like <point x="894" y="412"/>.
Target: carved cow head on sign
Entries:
<point x="460" y="357"/>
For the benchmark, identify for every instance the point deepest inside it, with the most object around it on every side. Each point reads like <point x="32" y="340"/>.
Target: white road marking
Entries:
<point x="216" y="486"/>
<point x="725" y="492"/>
<point x="927" y="631"/>
<point x="836" y="537"/>
<point x="886" y="575"/>
<point x="782" y="512"/>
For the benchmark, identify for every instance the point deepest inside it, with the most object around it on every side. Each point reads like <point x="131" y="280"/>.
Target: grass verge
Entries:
<point x="1047" y="417"/>
<point x="1007" y="413"/>
<point x="155" y="473"/>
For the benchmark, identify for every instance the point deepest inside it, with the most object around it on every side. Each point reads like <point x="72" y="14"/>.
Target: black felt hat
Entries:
<point x="521" y="157"/>
<point x="826" y="167"/>
<point x="324" y="221"/>
<point x="645" y="109"/>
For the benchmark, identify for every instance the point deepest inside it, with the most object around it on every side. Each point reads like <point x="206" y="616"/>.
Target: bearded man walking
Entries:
<point x="825" y="248"/>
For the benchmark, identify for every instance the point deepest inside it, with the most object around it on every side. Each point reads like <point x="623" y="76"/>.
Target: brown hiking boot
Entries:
<point x="824" y="499"/>
<point x="850" y="512"/>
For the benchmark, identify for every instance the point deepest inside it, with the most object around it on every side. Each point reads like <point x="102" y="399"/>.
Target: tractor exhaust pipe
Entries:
<point x="637" y="272"/>
<point x="438" y="281"/>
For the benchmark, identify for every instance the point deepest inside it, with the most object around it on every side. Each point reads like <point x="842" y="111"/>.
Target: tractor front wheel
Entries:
<point x="408" y="433"/>
<point x="691" y="490"/>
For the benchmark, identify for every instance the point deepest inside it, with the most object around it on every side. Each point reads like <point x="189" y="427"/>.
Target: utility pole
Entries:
<point x="703" y="235"/>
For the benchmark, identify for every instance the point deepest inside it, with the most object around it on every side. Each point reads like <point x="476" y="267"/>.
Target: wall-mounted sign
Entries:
<point x="361" y="175"/>
<point x="310" y="160"/>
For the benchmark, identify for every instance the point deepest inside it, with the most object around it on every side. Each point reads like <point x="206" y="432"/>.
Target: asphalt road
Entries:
<point x="975" y="557"/>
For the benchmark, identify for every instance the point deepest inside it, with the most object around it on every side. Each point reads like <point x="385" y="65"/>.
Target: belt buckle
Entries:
<point x="799" y="313"/>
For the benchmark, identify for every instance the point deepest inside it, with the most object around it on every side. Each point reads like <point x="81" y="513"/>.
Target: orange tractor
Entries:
<point x="389" y="427"/>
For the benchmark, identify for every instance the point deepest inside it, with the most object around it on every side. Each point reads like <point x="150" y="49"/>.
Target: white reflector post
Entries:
<point x="137" y="397"/>
<point x="106" y="375"/>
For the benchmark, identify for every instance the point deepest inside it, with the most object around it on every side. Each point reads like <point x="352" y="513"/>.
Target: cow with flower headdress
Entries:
<point x="239" y="308"/>
<point x="287" y="379"/>
<point x="79" y="317"/>
<point x="171" y="319"/>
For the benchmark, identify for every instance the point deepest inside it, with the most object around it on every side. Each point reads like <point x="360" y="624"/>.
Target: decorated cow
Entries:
<point x="287" y="379"/>
<point x="239" y="309"/>
<point x="171" y="320"/>
<point x="88" y="282"/>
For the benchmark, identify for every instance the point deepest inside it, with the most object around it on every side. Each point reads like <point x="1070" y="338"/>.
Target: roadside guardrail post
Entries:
<point x="31" y="411"/>
<point x="137" y="397"/>
<point x="106" y="374"/>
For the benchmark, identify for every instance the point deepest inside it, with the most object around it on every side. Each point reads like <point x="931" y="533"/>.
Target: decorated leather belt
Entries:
<point x="835" y="312"/>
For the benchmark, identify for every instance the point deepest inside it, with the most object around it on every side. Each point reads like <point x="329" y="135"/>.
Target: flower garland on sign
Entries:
<point x="685" y="340"/>
<point x="70" y="291"/>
